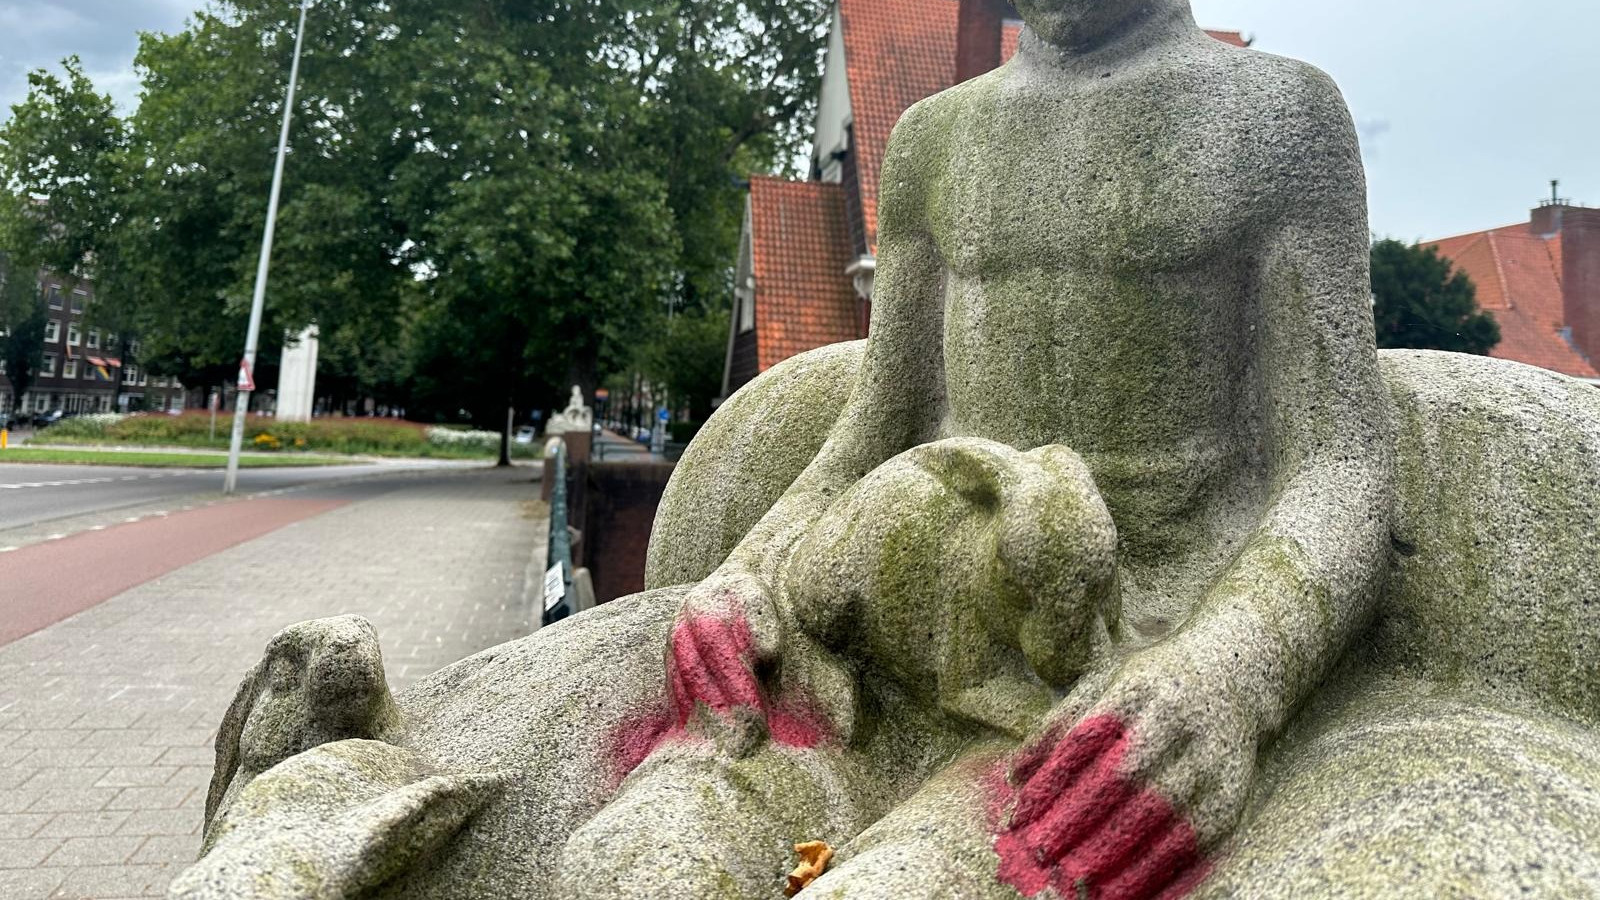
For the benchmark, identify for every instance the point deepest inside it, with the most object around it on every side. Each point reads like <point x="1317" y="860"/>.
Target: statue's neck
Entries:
<point x="1163" y="27"/>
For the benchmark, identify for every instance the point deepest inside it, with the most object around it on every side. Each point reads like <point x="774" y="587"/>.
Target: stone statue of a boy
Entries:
<point x="1126" y="537"/>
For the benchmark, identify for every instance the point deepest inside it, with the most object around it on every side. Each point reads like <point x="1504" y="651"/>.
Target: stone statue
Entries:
<point x="1117" y="563"/>
<point x="576" y="417"/>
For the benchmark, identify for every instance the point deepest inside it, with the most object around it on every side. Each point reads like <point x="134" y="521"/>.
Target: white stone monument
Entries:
<point x="297" y="377"/>
<point x="576" y="417"/>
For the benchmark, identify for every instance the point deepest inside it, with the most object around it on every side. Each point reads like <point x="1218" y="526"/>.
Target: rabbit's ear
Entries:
<point x="385" y="837"/>
<point x="334" y="823"/>
<point x="228" y="735"/>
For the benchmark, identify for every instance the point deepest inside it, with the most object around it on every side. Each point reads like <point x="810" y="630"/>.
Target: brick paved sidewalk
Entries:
<point x="107" y="718"/>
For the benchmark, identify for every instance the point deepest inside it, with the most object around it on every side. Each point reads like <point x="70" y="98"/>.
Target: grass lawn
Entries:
<point x="156" y="460"/>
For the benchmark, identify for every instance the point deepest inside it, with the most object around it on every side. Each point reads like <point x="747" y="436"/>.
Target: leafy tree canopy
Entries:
<point x="482" y="195"/>
<point x="1423" y="304"/>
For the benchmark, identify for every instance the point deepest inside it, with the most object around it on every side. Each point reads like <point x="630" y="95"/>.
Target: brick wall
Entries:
<point x="622" y="501"/>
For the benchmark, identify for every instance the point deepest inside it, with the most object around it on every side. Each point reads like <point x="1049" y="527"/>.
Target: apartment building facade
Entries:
<point x="83" y="369"/>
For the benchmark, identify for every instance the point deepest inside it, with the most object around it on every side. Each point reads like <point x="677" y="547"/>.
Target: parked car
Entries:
<point x="525" y="434"/>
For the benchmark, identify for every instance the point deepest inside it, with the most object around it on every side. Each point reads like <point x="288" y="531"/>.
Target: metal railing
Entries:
<point x="559" y="600"/>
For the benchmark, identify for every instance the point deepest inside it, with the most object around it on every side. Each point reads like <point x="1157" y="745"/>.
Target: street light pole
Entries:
<point x="253" y="336"/>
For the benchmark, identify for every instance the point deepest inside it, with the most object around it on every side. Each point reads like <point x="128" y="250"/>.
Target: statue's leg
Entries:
<point x="745" y="457"/>
<point x="693" y="822"/>
<point x="1405" y="792"/>
<point x="939" y="844"/>
<point x="1496" y="572"/>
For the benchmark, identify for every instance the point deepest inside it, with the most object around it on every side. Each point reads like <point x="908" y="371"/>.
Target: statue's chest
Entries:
<point x="1052" y="184"/>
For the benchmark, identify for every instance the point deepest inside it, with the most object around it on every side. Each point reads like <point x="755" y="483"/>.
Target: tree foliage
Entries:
<point x="487" y="200"/>
<point x="1422" y="304"/>
<point x="23" y="313"/>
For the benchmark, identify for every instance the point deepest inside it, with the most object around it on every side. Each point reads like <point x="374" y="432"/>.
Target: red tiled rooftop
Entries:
<point x="801" y="250"/>
<point x="1518" y="277"/>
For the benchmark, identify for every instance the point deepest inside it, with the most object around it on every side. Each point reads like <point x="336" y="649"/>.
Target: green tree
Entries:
<point x="1422" y="304"/>
<point x="687" y="358"/>
<point x="23" y="313"/>
<point x="483" y="195"/>
<point x="61" y="158"/>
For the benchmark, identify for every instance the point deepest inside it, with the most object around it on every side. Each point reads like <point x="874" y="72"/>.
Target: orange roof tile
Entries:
<point x="896" y="53"/>
<point x="1518" y="277"/>
<point x="801" y="249"/>
<point x="1235" y="38"/>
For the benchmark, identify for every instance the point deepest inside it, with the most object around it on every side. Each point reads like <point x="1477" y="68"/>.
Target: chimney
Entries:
<point x="978" y="35"/>
<point x="1579" y="230"/>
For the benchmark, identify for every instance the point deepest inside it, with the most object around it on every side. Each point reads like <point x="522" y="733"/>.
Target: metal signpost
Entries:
<point x="252" y="337"/>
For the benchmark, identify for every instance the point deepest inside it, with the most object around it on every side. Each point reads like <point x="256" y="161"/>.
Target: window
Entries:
<point x="41" y="403"/>
<point x="69" y="369"/>
<point x="47" y="368"/>
<point x="133" y="348"/>
<point x="52" y="332"/>
<point x="55" y="296"/>
<point x="88" y="371"/>
<point x="94" y="339"/>
<point x="79" y="298"/>
<point x="144" y="379"/>
<point x="130" y="374"/>
<point x="74" y="334"/>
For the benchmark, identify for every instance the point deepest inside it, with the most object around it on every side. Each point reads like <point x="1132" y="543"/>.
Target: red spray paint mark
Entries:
<point x="1077" y="822"/>
<point x="713" y="664"/>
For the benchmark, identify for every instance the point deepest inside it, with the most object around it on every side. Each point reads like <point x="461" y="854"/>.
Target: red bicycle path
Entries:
<point x="45" y="583"/>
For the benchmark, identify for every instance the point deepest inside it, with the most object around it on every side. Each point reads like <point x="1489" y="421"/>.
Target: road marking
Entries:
<point x="25" y="485"/>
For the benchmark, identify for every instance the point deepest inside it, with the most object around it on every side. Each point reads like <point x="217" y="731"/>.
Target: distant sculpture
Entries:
<point x="576" y="417"/>
<point x="1115" y="564"/>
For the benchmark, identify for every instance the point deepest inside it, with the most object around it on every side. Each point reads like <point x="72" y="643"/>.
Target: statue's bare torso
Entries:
<point x="1102" y="285"/>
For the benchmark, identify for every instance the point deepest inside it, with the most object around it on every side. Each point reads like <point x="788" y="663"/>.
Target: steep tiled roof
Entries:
<point x="801" y="249"/>
<point x="896" y="53"/>
<point x="1518" y="277"/>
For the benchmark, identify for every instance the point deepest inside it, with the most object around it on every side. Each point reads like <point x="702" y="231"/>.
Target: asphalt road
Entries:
<point x="30" y="494"/>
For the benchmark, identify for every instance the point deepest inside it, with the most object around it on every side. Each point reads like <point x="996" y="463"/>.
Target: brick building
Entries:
<point x="81" y="362"/>
<point x="808" y="251"/>
<point x="1541" y="282"/>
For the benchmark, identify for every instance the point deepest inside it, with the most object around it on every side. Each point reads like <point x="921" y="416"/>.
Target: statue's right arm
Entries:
<point x="897" y="398"/>
<point x="895" y="403"/>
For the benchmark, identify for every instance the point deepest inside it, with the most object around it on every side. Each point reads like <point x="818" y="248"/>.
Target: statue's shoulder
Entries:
<point x="920" y="149"/>
<point x="1286" y="119"/>
<point x="924" y="130"/>
<point x="1277" y="92"/>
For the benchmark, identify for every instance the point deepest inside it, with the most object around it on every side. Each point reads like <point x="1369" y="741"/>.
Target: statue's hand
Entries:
<point x="1142" y="771"/>
<point x="726" y="636"/>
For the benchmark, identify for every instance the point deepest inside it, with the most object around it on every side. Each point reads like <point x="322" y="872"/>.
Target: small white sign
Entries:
<point x="555" y="587"/>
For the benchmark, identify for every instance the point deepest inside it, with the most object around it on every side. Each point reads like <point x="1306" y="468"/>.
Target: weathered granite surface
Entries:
<point x="1117" y="563"/>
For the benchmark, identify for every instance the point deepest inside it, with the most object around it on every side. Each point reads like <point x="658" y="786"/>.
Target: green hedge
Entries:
<point x="368" y="437"/>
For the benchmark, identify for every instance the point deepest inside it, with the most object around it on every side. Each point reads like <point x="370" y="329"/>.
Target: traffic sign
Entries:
<point x="246" y="382"/>
<point x="662" y="416"/>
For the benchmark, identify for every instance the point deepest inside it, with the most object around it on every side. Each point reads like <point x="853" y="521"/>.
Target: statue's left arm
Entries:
<point x="1160" y="750"/>
<point x="1285" y="610"/>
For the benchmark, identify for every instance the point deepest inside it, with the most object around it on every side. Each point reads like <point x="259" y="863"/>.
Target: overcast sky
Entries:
<point x="1467" y="108"/>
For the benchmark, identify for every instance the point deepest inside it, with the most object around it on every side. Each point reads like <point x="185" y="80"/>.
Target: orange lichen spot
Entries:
<point x="814" y="859"/>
